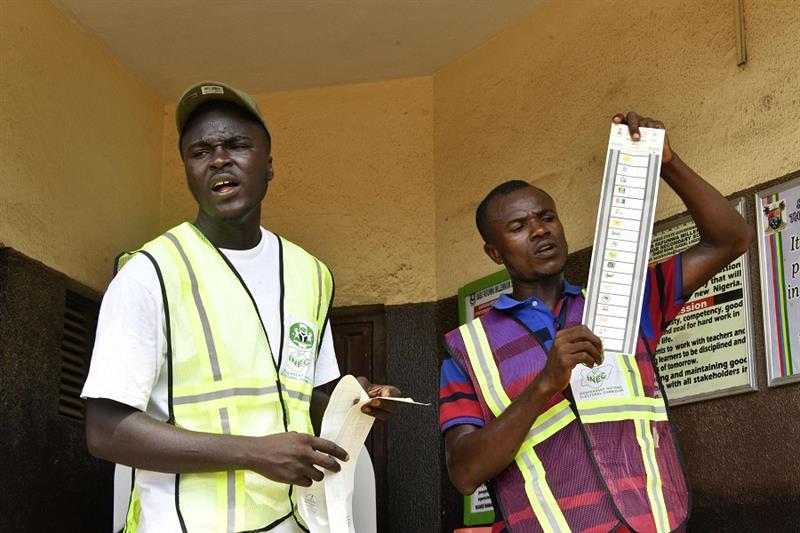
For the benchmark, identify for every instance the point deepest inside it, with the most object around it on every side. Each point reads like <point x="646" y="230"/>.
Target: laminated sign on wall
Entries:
<point x="778" y="215"/>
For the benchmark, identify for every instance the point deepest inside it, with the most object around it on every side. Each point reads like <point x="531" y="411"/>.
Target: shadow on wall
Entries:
<point x="46" y="332"/>
<point x="769" y="512"/>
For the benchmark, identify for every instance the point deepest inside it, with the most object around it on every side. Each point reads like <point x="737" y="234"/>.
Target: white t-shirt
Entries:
<point x="129" y="357"/>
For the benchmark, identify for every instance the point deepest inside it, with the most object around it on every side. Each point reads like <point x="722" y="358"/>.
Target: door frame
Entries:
<point x="376" y="315"/>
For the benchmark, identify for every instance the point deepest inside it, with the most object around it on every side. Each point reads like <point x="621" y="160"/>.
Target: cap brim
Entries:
<point x="207" y="91"/>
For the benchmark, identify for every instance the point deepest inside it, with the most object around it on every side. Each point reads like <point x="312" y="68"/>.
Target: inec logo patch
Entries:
<point x="301" y="335"/>
<point x="300" y="358"/>
<point x="595" y="377"/>
<point x="300" y="353"/>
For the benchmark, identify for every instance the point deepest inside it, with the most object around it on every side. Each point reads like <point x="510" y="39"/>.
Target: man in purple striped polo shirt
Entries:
<point x="521" y="229"/>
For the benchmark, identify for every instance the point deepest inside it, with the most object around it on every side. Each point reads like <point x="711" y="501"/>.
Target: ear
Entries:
<point x="270" y="170"/>
<point x="493" y="253"/>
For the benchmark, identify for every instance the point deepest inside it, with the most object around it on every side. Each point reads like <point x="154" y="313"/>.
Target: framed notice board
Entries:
<point x="708" y="351"/>
<point x="778" y="216"/>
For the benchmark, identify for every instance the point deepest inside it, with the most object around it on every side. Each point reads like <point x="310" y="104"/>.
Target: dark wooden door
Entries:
<point x="359" y="338"/>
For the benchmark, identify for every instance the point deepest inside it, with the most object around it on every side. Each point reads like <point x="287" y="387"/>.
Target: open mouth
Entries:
<point x="546" y="249"/>
<point x="224" y="185"/>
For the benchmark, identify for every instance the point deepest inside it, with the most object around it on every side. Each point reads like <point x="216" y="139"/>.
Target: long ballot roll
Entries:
<point x="619" y="406"/>
<point x="619" y="259"/>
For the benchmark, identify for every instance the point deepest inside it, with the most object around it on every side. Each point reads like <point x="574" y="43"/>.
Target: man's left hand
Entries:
<point x="377" y="408"/>
<point x="636" y="121"/>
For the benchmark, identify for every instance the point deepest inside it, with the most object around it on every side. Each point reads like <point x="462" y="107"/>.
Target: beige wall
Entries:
<point x="353" y="184"/>
<point x="535" y="103"/>
<point x="394" y="183"/>
<point x="80" y="146"/>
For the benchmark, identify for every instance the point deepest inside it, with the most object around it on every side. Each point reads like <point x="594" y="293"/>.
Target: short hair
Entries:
<point x="224" y="104"/>
<point x="501" y="190"/>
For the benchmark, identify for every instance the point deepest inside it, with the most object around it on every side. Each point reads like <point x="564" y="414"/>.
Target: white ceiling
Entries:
<point x="270" y="45"/>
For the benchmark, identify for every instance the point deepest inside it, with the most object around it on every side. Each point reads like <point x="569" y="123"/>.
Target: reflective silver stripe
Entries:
<point x="298" y="395"/>
<point x="201" y="310"/>
<point x="644" y="427"/>
<point x="484" y="367"/>
<point x="632" y="373"/>
<point x="551" y="519"/>
<point x="660" y="409"/>
<point x="565" y="412"/>
<point x="226" y="393"/>
<point x="319" y="288"/>
<point x="226" y="429"/>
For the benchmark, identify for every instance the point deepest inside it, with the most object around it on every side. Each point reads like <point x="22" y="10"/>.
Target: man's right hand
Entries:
<point x="477" y="454"/>
<point x="293" y="457"/>
<point x="572" y="346"/>
<point x="122" y="434"/>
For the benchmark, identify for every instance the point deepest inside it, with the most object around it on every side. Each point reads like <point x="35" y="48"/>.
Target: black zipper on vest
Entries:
<point x="562" y="314"/>
<point x="275" y="364"/>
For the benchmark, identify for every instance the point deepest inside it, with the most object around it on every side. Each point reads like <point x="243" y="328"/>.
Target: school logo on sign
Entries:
<point x="301" y="335"/>
<point x="774" y="214"/>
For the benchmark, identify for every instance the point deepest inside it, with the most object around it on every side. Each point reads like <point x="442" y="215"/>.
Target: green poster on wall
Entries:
<point x="474" y="299"/>
<point x="477" y="297"/>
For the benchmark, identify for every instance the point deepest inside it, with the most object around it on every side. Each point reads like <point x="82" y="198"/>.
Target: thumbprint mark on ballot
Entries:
<point x="311" y="502"/>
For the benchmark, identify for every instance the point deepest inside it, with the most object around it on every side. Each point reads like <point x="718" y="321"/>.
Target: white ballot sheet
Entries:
<point x="619" y="258"/>
<point x="327" y="506"/>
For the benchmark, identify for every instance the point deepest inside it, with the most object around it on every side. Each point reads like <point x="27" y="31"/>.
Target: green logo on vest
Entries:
<point x="597" y="375"/>
<point x="301" y="335"/>
<point x="300" y="358"/>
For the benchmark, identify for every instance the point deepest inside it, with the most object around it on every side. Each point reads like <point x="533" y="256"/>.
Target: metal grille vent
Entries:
<point x="80" y="322"/>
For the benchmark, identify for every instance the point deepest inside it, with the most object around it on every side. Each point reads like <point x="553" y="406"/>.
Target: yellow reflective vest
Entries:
<point x="223" y="378"/>
<point x="584" y="466"/>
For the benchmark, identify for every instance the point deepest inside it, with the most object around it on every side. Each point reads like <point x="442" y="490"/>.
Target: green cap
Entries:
<point x="205" y="91"/>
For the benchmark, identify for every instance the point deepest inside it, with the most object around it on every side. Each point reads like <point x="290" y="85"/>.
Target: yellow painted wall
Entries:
<point x="397" y="167"/>
<point x="535" y="103"/>
<point x="80" y="146"/>
<point x="353" y="184"/>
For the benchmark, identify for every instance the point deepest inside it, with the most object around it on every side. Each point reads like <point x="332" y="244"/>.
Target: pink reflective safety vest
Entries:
<point x="579" y="469"/>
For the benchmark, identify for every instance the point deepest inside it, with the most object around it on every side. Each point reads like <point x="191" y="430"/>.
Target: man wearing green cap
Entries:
<point x="210" y="343"/>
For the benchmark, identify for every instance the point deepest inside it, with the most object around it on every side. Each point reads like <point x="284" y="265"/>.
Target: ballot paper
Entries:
<point x="619" y="259"/>
<point x="327" y="506"/>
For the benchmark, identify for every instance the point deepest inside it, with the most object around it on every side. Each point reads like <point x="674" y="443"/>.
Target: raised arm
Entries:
<point x="724" y="234"/>
<point x="476" y="455"/>
<point x="122" y="434"/>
